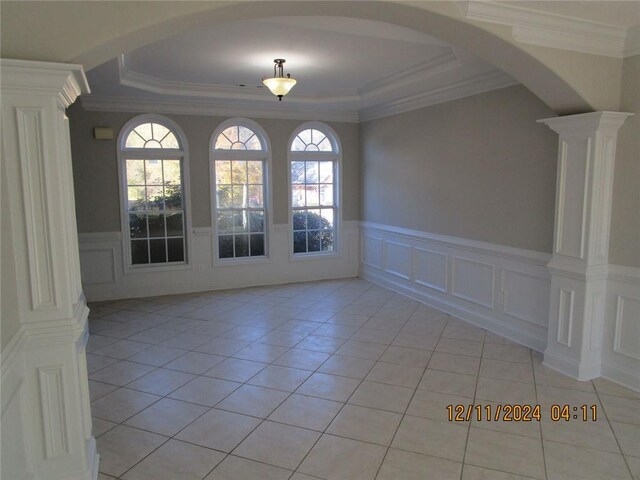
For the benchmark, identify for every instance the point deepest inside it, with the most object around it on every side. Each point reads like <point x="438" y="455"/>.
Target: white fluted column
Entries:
<point x="46" y="417"/>
<point x="579" y="263"/>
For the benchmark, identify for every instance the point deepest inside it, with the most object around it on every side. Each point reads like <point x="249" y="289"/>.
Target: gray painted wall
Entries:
<point x="624" y="247"/>
<point x="478" y="168"/>
<point x="96" y="176"/>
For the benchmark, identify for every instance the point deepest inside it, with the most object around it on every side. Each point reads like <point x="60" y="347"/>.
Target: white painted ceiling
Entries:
<point x="341" y="64"/>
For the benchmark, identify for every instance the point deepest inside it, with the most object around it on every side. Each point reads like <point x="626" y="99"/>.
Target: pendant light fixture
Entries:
<point x="279" y="84"/>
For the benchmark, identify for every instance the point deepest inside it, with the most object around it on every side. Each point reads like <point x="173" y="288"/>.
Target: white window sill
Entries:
<point x="242" y="261"/>
<point x="160" y="267"/>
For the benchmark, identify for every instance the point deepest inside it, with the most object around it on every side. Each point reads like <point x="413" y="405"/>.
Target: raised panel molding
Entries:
<point x="430" y="269"/>
<point x="98" y="265"/>
<point x="34" y="196"/>
<point x="565" y="316"/>
<point x="53" y="411"/>
<point x="532" y="308"/>
<point x="14" y="442"/>
<point x="372" y="251"/>
<point x="473" y="281"/>
<point x="627" y="327"/>
<point x="397" y="259"/>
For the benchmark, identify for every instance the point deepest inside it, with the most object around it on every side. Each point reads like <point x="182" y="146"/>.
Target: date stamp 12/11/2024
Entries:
<point x="520" y="413"/>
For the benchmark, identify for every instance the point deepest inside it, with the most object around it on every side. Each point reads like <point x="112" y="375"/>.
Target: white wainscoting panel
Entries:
<point x="621" y="349"/>
<point x="503" y="289"/>
<point x="104" y="276"/>
<point x="397" y="259"/>
<point x="430" y="269"/>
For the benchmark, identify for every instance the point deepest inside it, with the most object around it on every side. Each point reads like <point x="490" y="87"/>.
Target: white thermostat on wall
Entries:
<point x="103" y="133"/>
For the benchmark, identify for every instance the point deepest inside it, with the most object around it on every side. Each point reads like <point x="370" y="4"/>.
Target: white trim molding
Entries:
<point x="579" y="302"/>
<point x="546" y="29"/>
<point x="46" y="417"/>
<point x="499" y="288"/>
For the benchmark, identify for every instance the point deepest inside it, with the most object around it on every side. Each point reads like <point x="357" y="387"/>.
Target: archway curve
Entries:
<point x="531" y="72"/>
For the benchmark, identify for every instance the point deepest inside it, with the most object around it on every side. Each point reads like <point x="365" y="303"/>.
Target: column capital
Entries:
<point x="66" y="81"/>
<point x="586" y="123"/>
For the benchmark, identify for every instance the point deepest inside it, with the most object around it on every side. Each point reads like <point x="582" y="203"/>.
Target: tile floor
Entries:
<point x="333" y="380"/>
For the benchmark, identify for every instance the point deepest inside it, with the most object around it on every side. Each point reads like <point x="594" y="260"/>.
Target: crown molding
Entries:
<point x="482" y="83"/>
<point x="416" y="74"/>
<point x="632" y="45"/>
<point x="550" y="30"/>
<point x="212" y="108"/>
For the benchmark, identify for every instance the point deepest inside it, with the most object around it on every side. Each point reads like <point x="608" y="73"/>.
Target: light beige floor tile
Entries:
<point x="547" y="376"/>
<point x="174" y="460"/>
<point x="385" y="323"/>
<point x="302" y="476"/>
<point x="121" y="404"/>
<point x="347" y="366"/>
<point x="247" y="333"/>
<point x="454" y="363"/>
<point x="567" y="462"/>
<point x="499" y="413"/>
<point x="100" y="426"/>
<point x="335" y="330"/>
<point x="98" y="362"/>
<point x="166" y="416"/>
<point x="621" y="409"/>
<point x="517" y="372"/>
<point x="505" y="452"/>
<point x="506" y="391"/>
<point x="448" y="382"/>
<point x="597" y="435"/>
<point x="368" y="350"/>
<point x="222" y="346"/>
<point x="401" y="465"/>
<point x="548" y="396"/>
<point x="235" y="369"/>
<point x="365" y="334"/>
<point x="195" y="362"/>
<point x="415" y="340"/>
<point x="607" y="387"/>
<point x="306" y="412"/>
<point x="381" y="396"/>
<point x="350" y="319"/>
<point x="205" y="391"/>
<point x="280" y="378"/>
<point x="99" y="389"/>
<point x="433" y="405"/>
<point x="277" y="444"/>
<point x="282" y="339"/>
<point x="161" y="381"/>
<point x="158" y="355"/>
<point x="236" y="468"/>
<point x="366" y="424"/>
<point x="299" y="326"/>
<point x="471" y="472"/>
<point x="634" y="465"/>
<point x="507" y="353"/>
<point x="394" y="374"/>
<point x="316" y="343"/>
<point x="331" y="387"/>
<point x="459" y="347"/>
<point x="336" y="458"/>
<point x="260" y="352"/>
<point x="187" y="340"/>
<point x="102" y="476"/>
<point x="219" y="430"/>
<point x="464" y="332"/>
<point x="253" y="400"/>
<point x="432" y="437"/>
<point x="628" y="436"/>
<point x="304" y="359"/>
<point x="122" y="349"/>
<point x="121" y="373"/>
<point x="122" y="447"/>
<point x="412" y="357"/>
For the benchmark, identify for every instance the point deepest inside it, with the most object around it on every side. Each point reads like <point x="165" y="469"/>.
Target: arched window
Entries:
<point x="152" y="165"/>
<point x="240" y="154"/>
<point x="313" y="158"/>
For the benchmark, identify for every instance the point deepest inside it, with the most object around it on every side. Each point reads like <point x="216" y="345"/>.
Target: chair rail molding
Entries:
<point x="579" y="264"/>
<point x="46" y="417"/>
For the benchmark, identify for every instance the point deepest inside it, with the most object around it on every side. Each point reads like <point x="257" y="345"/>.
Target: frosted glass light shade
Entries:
<point x="279" y="86"/>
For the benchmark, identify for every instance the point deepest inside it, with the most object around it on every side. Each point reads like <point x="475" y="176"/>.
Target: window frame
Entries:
<point x="265" y="157"/>
<point x="336" y="156"/>
<point x="124" y="154"/>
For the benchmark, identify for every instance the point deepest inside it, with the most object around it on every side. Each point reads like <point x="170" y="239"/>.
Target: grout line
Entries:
<point x="535" y="389"/>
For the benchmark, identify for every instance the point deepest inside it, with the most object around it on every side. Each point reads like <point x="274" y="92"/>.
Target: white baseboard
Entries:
<point x="105" y="278"/>
<point x="502" y="289"/>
